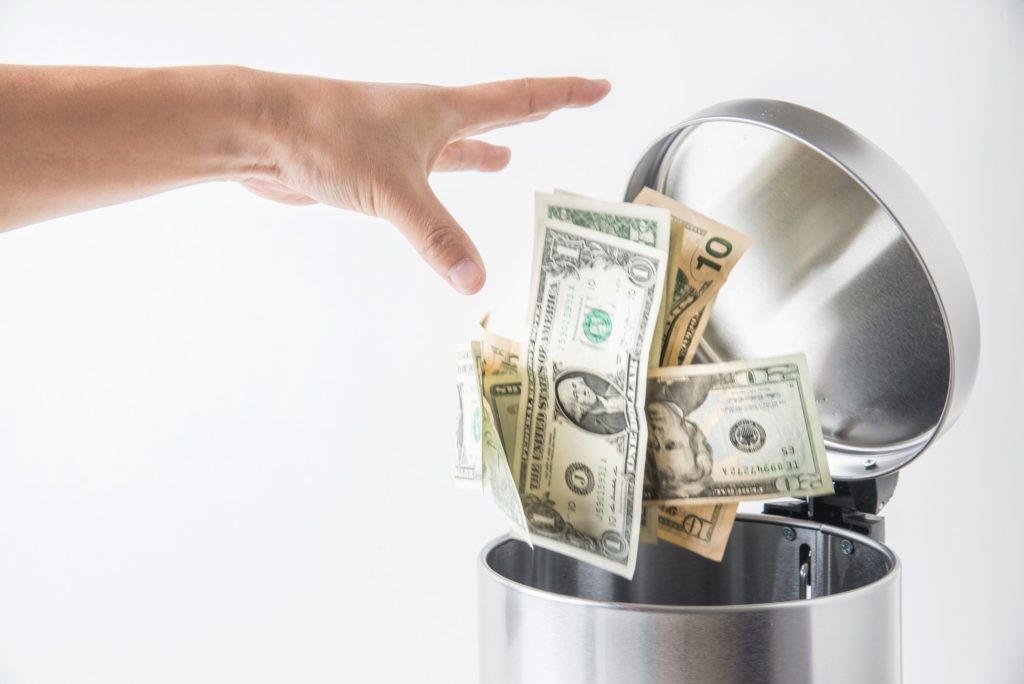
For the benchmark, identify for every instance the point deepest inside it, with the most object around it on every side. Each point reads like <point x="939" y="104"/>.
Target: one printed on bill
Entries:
<point x="581" y="434"/>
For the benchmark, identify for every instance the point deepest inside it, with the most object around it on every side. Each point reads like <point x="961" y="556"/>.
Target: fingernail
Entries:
<point x="601" y="84"/>
<point x="466" y="276"/>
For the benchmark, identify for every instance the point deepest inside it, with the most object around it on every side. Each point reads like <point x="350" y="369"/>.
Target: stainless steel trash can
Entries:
<point x="549" y="618"/>
<point x="852" y="266"/>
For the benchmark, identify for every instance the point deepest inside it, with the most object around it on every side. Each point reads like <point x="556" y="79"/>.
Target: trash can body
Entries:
<point x="786" y="604"/>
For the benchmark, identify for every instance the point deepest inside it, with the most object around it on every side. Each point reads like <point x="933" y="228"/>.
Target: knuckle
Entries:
<point x="526" y="87"/>
<point x="456" y="154"/>
<point x="446" y="106"/>
<point x="441" y="241"/>
<point x="570" y="92"/>
<point x="374" y="197"/>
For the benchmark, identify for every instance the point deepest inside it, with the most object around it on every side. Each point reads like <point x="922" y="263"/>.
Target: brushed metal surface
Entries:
<point x="851" y="265"/>
<point x="547" y="618"/>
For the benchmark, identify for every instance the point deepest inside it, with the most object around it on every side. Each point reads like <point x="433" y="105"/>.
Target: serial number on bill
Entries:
<point x="774" y="467"/>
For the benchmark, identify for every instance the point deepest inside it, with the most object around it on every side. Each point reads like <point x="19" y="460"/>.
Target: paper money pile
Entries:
<point x="594" y="433"/>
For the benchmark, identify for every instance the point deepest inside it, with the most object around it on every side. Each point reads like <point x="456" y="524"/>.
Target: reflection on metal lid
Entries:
<point x="850" y="265"/>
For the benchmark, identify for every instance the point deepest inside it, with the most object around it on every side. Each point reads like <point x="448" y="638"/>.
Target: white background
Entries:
<point x="226" y="426"/>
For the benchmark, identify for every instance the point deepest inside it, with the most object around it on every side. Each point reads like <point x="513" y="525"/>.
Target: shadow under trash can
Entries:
<point x="852" y="266"/>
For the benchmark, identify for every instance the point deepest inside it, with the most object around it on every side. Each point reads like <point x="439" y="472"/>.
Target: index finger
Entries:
<point x="502" y="103"/>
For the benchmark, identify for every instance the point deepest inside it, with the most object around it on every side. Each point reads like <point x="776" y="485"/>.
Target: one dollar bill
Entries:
<point x="502" y="386"/>
<point x="498" y="484"/>
<point x="645" y="225"/>
<point x="581" y="434"/>
<point x="481" y="461"/>
<point x="734" y="431"/>
<point x="633" y="222"/>
<point x="469" y="430"/>
<point x="649" y="524"/>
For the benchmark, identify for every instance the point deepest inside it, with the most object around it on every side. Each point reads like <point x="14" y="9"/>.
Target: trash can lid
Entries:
<point x="851" y="265"/>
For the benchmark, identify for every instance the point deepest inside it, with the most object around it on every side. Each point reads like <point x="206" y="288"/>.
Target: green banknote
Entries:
<point x="734" y="431"/>
<point x="581" y="434"/>
<point x="469" y="430"/>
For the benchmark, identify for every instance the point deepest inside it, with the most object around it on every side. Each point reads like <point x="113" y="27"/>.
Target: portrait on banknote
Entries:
<point x="678" y="454"/>
<point x="591" y="402"/>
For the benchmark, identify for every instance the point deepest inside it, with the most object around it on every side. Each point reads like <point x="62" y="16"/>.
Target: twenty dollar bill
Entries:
<point x="734" y="431"/>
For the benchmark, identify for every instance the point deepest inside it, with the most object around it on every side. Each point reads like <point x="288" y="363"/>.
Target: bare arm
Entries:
<point x="75" y="138"/>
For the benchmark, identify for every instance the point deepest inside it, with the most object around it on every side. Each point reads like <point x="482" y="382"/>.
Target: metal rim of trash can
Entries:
<point x="528" y="634"/>
<point x="891" y="575"/>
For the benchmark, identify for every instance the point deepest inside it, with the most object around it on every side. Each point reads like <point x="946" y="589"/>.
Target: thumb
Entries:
<point x="438" y="238"/>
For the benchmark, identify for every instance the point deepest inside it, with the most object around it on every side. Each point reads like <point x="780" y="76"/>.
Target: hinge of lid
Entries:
<point x="855" y="506"/>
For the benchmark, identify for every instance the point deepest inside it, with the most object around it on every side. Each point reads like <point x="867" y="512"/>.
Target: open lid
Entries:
<point x="851" y="265"/>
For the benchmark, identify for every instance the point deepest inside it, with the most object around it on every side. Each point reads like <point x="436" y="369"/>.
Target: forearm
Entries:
<point x="74" y="138"/>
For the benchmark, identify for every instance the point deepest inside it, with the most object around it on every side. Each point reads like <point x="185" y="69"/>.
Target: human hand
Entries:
<point x="370" y="147"/>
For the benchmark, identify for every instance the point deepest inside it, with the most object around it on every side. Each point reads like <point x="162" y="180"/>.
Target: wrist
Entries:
<point x="254" y="140"/>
